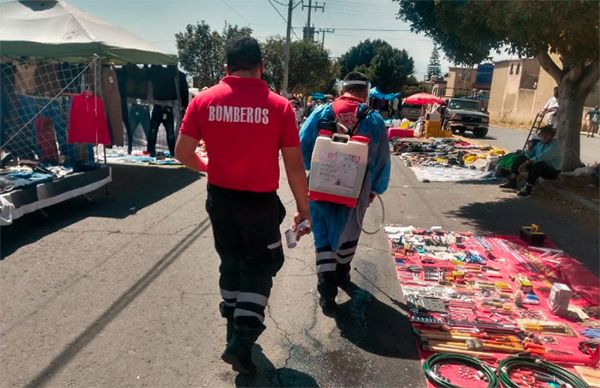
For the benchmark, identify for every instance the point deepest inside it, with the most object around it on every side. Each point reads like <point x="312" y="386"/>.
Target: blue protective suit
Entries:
<point x="336" y="228"/>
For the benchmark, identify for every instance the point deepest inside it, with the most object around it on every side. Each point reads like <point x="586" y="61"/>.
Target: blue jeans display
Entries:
<point x="138" y="114"/>
<point x="161" y="115"/>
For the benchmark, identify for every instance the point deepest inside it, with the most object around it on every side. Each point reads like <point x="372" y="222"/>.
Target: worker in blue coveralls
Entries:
<point x="336" y="228"/>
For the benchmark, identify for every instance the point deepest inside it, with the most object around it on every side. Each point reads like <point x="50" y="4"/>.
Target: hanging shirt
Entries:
<point x="87" y="120"/>
<point x="46" y="139"/>
<point x="244" y="125"/>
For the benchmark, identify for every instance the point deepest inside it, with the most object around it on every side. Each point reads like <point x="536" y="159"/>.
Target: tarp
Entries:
<point x="55" y="29"/>
<point x="376" y="93"/>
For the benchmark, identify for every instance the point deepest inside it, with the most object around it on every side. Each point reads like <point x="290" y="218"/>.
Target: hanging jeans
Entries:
<point x="161" y="115"/>
<point x="138" y="114"/>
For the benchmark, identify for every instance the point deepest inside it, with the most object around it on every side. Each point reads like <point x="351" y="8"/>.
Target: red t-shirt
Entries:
<point x="344" y="110"/>
<point x="243" y="125"/>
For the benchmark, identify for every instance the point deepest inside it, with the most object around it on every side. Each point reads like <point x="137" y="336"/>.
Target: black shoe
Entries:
<point x="240" y="359"/>
<point x="328" y="306"/>
<point x="525" y="191"/>
<point x="511" y="184"/>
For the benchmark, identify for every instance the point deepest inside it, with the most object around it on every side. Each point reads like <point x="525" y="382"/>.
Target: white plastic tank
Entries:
<point x="338" y="167"/>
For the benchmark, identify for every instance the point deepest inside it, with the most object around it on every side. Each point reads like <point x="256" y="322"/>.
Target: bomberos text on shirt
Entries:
<point x="238" y="114"/>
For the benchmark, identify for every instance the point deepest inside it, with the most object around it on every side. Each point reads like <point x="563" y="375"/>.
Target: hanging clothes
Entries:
<point x="46" y="139"/>
<point x="24" y="78"/>
<point x="112" y="98"/>
<point x="136" y="81"/>
<point x="161" y="115"/>
<point x="87" y="120"/>
<point x="138" y="114"/>
<point x="164" y="82"/>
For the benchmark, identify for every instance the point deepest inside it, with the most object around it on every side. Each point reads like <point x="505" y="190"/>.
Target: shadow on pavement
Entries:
<point x="133" y="188"/>
<point x="375" y="326"/>
<point x="268" y="376"/>
<point x="508" y="215"/>
<point x="136" y="289"/>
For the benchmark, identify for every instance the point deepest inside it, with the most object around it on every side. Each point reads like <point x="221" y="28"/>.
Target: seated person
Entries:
<point x="540" y="160"/>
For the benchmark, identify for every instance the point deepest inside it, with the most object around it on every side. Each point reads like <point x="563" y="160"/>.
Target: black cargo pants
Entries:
<point x="248" y="240"/>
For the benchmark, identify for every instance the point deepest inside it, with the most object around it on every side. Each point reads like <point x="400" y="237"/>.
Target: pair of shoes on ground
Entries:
<point x="512" y="184"/>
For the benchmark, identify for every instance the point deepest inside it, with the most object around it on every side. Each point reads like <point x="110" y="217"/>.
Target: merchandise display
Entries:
<point x="447" y="159"/>
<point x="490" y="298"/>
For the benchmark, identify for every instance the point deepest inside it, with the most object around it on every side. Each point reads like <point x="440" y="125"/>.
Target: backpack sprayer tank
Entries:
<point x="338" y="167"/>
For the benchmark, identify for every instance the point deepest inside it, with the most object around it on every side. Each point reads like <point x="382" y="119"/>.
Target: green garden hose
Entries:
<point x="560" y="375"/>
<point x="446" y="358"/>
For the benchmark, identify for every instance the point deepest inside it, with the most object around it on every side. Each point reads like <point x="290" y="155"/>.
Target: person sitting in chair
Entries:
<point x="540" y="160"/>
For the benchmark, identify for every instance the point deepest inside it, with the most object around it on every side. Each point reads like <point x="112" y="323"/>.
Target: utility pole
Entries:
<point x="324" y="31"/>
<point x="309" y="32"/>
<point x="286" y="54"/>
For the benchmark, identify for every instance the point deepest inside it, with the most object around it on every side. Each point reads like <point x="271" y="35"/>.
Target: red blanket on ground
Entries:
<point x="506" y="256"/>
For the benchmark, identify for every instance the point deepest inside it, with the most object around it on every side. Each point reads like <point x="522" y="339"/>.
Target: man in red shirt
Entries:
<point x="244" y="126"/>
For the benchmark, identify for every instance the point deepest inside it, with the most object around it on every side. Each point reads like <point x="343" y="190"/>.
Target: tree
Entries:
<point x="202" y="51"/>
<point x="468" y="30"/>
<point x="310" y="67"/>
<point x="411" y="86"/>
<point x="434" y="68"/>
<point x="387" y="67"/>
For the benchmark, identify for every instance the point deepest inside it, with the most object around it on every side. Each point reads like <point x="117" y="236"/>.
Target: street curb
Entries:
<point x="590" y="205"/>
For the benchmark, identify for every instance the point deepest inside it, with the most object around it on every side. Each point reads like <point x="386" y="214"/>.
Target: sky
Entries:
<point x="353" y="20"/>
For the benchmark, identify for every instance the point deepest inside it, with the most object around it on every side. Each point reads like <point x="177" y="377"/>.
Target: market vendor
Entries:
<point x="541" y="160"/>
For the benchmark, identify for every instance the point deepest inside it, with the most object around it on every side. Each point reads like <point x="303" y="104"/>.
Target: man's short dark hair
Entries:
<point x="242" y="53"/>
<point x="354" y="76"/>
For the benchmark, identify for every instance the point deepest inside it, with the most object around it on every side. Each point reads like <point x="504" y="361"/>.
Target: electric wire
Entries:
<point x="560" y="375"/>
<point x="447" y="358"/>
<point x="236" y="12"/>
<point x="283" y="18"/>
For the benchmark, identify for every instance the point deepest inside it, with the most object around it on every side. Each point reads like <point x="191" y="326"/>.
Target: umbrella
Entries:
<point x="422" y="99"/>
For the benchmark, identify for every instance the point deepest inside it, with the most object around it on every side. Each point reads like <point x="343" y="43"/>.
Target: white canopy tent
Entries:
<point x="55" y="29"/>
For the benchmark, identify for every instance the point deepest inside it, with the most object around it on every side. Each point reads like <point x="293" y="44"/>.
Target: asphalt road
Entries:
<point x="123" y="291"/>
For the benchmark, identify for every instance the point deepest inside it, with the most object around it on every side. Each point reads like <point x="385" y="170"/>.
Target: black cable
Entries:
<point x="447" y="358"/>
<point x="550" y="371"/>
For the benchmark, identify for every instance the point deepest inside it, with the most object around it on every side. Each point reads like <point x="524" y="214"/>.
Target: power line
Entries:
<point x="283" y="18"/>
<point x="236" y="12"/>
<point x="367" y="29"/>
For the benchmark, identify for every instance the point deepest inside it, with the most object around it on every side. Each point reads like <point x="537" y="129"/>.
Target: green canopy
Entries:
<point x="56" y="30"/>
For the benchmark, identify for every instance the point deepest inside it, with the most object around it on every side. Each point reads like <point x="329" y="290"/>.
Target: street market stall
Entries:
<point x="447" y="159"/>
<point x="481" y="301"/>
<point x="61" y="96"/>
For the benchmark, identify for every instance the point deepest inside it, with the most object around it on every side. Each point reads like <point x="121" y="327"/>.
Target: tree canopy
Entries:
<point x="310" y="69"/>
<point x="387" y="67"/>
<point x="201" y="51"/>
<point x="468" y="30"/>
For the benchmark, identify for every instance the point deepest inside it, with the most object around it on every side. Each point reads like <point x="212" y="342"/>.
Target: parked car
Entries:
<point x="411" y="111"/>
<point x="465" y="115"/>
